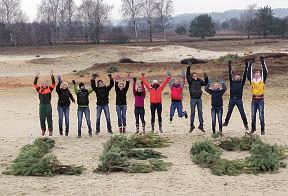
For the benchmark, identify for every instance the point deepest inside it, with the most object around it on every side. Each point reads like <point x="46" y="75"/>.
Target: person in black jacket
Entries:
<point x="121" y="102"/>
<point x="102" y="94"/>
<point x="216" y="91"/>
<point x="64" y="102"/>
<point x="195" y="89"/>
<point x="236" y="91"/>
<point x="45" y="108"/>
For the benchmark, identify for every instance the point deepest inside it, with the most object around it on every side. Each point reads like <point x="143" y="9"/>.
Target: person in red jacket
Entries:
<point x="155" y="91"/>
<point x="176" y="98"/>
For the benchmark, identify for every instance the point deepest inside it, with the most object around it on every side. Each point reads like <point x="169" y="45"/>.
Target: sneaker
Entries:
<point x="192" y="127"/>
<point x="61" y="133"/>
<point x="171" y="119"/>
<point x="186" y="115"/>
<point x="201" y="128"/>
<point x="153" y="129"/>
<point x="97" y="132"/>
<point x="214" y="131"/>
<point x="225" y="124"/>
<point x="124" y="130"/>
<point x="262" y="132"/>
<point x="246" y="127"/>
<point x="120" y="130"/>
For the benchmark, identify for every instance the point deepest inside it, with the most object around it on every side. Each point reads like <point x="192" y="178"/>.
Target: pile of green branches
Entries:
<point x="120" y="151"/>
<point x="35" y="160"/>
<point x="263" y="157"/>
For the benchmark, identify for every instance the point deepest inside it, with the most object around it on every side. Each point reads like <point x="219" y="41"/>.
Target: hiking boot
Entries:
<point x="185" y="114"/>
<point x="66" y="132"/>
<point x="201" y="128"/>
<point x="43" y="131"/>
<point x="97" y="132"/>
<point x="192" y="127"/>
<point x="262" y="132"/>
<point x="120" y="130"/>
<point x="225" y="124"/>
<point x="220" y="133"/>
<point x="214" y="131"/>
<point x="124" y="130"/>
<point x="171" y="119"/>
<point x="153" y="128"/>
<point x="246" y="127"/>
<point x="50" y="132"/>
<point x="90" y="134"/>
<point x="61" y="132"/>
<point x="137" y="129"/>
<point x="110" y="132"/>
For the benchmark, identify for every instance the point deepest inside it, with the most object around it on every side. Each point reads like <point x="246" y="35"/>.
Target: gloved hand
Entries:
<point x="183" y="74"/>
<point x="222" y="81"/>
<point x="229" y="62"/>
<point x="59" y="78"/>
<point x="94" y="76"/>
<point x="262" y="59"/>
<point x="110" y="76"/>
<point x="205" y="75"/>
<point x="209" y="82"/>
<point x="168" y="73"/>
<point x="73" y="81"/>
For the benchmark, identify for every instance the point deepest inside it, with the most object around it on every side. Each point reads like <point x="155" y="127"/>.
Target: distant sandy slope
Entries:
<point x="20" y="125"/>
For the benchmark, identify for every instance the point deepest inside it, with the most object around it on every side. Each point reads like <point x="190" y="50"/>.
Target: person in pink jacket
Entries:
<point x="139" y="111"/>
<point x="155" y="91"/>
<point x="176" y="87"/>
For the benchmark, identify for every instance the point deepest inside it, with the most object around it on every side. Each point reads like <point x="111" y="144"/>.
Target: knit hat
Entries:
<point x="64" y="85"/>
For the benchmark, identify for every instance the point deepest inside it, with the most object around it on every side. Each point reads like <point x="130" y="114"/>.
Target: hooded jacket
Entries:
<point x="177" y="91"/>
<point x="102" y="93"/>
<point x="139" y="99"/>
<point x="195" y="86"/>
<point x="44" y="93"/>
<point x="155" y="94"/>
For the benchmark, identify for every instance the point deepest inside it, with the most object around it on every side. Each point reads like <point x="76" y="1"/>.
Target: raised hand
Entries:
<point x="37" y="74"/>
<point x="205" y="75"/>
<point x="94" y="76"/>
<point x="168" y="73"/>
<point x="74" y="82"/>
<point x="134" y="79"/>
<point x="262" y="59"/>
<point x="59" y="78"/>
<point x="229" y="62"/>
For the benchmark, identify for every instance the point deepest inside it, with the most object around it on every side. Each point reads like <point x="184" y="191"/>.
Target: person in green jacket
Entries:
<point x="83" y="106"/>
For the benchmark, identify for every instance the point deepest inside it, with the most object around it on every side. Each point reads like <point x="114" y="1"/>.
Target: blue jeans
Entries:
<point x="107" y="115"/>
<point x="80" y="112"/>
<point x="179" y="107"/>
<point x="63" y="111"/>
<point x="239" y="103"/>
<point x="216" y="112"/>
<point x="257" y="105"/>
<point x="139" y="114"/>
<point x="121" y="113"/>
<point x="193" y="104"/>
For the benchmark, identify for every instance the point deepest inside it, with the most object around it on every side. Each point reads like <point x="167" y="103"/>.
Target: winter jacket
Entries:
<point x="195" y="85"/>
<point x="44" y="93"/>
<point x="121" y="95"/>
<point x="155" y="94"/>
<point x="139" y="99"/>
<point x="258" y="87"/>
<point x="216" y="96"/>
<point x="102" y="93"/>
<point x="64" y="96"/>
<point x="236" y="87"/>
<point x="82" y="96"/>
<point x="176" y="91"/>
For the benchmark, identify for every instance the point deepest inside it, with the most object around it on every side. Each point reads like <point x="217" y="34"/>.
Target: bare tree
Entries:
<point x="94" y="14"/>
<point x="132" y="10"/>
<point x="149" y="13"/>
<point x="247" y="18"/>
<point x="164" y="9"/>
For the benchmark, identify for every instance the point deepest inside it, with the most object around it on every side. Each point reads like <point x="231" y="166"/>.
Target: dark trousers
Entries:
<point x="86" y="112"/>
<point x="139" y="114"/>
<point x="63" y="111"/>
<point x="239" y="104"/>
<point x="156" y="107"/>
<point x="193" y="104"/>
<point x="179" y="107"/>
<point x="216" y="112"/>
<point x="45" y="113"/>
<point x="257" y="105"/>
<point x="99" y="109"/>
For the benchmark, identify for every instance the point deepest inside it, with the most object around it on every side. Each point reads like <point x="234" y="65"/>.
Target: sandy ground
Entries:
<point x="20" y="125"/>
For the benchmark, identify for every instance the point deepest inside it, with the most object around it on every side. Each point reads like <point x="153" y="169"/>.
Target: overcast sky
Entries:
<point x="180" y="6"/>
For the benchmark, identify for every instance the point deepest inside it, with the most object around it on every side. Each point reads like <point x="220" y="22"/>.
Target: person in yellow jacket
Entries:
<point x="257" y="81"/>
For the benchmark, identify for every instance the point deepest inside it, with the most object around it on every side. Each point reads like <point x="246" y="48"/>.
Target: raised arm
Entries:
<point x="250" y="72"/>
<point x="53" y="82"/>
<point x="59" y="84"/>
<point x="127" y="85"/>
<point x="205" y="81"/>
<point x="111" y="82"/>
<point x="207" y="89"/>
<point x="188" y="74"/>
<point x="245" y="73"/>
<point x="230" y="74"/>
<point x="76" y="88"/>
<point x="143" y="89"/>
<point x="145" y="82"/>
<point x="35" y="83"/>
<point x="264" y="69"/>
<point x="224" y="87"/>
<point x="165" y="82"/>
<point x="71" y="97"/>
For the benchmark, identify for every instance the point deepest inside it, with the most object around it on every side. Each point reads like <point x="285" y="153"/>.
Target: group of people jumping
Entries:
<point x="216" y="89"/>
